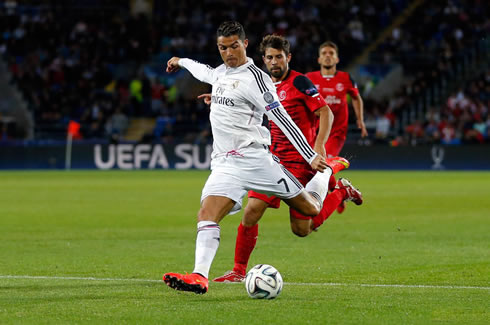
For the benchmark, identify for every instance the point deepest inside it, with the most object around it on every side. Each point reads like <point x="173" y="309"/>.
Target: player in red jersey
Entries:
<point x="334" y="85"/>
<point x="305" y="106"/>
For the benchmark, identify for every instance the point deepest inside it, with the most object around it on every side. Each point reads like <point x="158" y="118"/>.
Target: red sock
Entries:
<point x="330" y="204"/>
<point x="331" y="183"/>
<point x="245" y="244"/>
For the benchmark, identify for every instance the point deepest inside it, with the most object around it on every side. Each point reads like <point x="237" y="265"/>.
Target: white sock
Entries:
<point x="207" y="243"/>
<point x="318" y="185"/>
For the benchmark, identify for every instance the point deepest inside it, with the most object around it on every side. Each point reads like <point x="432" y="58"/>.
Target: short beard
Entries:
<point x="328" y="67"/>
<point x="277" y="73"/>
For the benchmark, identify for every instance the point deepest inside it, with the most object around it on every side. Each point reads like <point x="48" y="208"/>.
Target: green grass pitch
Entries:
<point x="91" y="247"/>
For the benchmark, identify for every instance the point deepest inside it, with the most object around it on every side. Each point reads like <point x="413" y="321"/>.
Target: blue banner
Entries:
<point x="130" y="156"/>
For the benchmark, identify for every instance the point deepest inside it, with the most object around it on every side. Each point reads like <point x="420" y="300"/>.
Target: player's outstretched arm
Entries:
<point x="201" y="72"/>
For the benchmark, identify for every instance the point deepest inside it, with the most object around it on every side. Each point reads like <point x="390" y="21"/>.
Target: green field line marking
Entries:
<point x="331" y="284"/>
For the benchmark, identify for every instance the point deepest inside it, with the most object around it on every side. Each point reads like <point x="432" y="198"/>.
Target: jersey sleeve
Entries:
<point x="263" y="95"/>
<point x="311" y="97"/>
<point x="352" y="89"/>
<point x="201" y="72"/>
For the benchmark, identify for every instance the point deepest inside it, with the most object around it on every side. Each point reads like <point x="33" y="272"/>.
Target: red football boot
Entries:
<point x="337" y="164"/>
<point x="193" y="282"/>
<point x="353" y="194"/>
<point x="230" y="276"/>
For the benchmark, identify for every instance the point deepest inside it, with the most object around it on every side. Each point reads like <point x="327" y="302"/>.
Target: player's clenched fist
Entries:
<point x="173" y="64"/>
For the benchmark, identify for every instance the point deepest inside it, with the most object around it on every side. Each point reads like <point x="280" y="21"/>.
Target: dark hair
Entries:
<point x="329" y="44"/>
<point x="230" y="28"/>
<point x="276" y="42"/>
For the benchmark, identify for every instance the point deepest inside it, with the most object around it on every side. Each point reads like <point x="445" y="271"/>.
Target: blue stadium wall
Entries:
<point x="192" y="156"/>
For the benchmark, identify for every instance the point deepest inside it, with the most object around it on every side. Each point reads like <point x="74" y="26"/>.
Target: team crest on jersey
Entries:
<point x="272" y="106"/>
<point x="235" y="84"/>
<point x="268" y="97"/>
<point x="339" y="87"/>
<point x="282" y="95"/>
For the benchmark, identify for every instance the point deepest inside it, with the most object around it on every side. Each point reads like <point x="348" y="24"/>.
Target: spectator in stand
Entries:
<point x="116" y="125"/>
<point x="382" y="127"/>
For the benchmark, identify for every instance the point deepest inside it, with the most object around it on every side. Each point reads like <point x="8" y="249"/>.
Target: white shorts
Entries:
<point x="251" y="168"/>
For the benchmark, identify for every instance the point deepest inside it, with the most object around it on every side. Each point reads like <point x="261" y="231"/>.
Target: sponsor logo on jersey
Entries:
<point x="268" y="97"/>
<point x="220" y="91"/>
<point x="311" y="91"/>
<point x="328" y="90"/>
<point x="332" y="100"/>
<point x="272" y="106"/>
<point x="339" y="87"/>
<point x="282" y="95"/>
<point x="222" y="100"/>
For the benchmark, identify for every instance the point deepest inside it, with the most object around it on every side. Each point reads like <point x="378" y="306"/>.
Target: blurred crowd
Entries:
<point x="105" y="67"/>
<point x="86" y="64"/>
<point x="434" y="46"/>
<point x="464" y="118"/>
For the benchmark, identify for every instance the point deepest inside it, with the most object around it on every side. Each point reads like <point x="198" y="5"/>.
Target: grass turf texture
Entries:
<point x="415" y="228"/>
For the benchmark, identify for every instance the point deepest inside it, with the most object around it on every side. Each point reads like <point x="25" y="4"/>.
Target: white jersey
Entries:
<point x="239" y="99"/>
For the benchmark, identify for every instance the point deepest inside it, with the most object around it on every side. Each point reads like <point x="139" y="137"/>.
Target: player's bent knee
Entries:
<point x="300" y="232"/>
<point x="305" y="205"/>
<point x="311" y="209"/>
<point x="300" y="227"/>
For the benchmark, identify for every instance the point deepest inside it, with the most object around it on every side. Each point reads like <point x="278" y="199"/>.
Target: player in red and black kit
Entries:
<point x="309" y="111"/>
<point x="334" y="85"/>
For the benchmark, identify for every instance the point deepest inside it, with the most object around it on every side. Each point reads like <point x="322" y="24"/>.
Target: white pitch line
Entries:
<point x="40" y="277"/>
<point x="328" y="284"/>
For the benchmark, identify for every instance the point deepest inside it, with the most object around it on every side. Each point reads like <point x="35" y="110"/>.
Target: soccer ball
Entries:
<point x="263" y="282"/>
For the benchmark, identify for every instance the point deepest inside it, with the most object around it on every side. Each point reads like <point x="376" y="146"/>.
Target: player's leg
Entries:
<point x="310" y="201"/>
<point x="301" y="225"/>
<point x="221" y="195"/>
<point x="333" y="147"/>
<point x="247" y="234"/>
<point x="344" y="191"/>
<point x="331" y="203"/>
<point x="212" y="211"/>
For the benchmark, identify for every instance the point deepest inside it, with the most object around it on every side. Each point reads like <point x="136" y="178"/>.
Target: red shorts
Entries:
<point x="304" y="175"/>
<point x="334" y="145"/>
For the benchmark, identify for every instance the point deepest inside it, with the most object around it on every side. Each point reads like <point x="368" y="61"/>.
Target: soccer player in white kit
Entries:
<point x="241" y="95"/>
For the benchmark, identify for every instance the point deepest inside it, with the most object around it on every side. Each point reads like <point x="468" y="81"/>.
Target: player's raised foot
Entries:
<point x="193" y="282"/>
<point x="337" y="164"/>
<point x="341" y="207"/>
<point x="230" y="276"/>
<point x="353" y="194"/>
